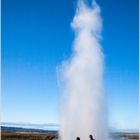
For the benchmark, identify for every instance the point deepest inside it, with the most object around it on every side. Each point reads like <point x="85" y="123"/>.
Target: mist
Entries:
<point x="83" y="105"/>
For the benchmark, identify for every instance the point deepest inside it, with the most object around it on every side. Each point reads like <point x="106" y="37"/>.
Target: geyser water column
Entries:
<point x="83" y="110"/>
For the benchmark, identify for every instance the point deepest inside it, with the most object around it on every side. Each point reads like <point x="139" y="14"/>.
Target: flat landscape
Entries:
<point x="12" y="133"/>
<point x="125" y="135"/>
<point x="8" y="133"/>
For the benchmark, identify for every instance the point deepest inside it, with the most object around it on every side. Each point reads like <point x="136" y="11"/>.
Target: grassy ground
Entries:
<point x="5" y="135"/>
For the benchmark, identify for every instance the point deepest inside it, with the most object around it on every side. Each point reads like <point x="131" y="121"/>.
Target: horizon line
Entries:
<point x="50" y="126"/>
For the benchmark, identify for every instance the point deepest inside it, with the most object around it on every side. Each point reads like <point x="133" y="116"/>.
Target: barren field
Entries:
<point x="25" y="135"/>
<point x="53" y="135"/>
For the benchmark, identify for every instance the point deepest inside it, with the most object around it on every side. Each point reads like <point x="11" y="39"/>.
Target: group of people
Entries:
<point x="90" y="137"/>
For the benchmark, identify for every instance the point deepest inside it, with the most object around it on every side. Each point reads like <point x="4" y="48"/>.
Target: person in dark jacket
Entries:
<point x="78" y="138"/>
<point x="91" y="137"/>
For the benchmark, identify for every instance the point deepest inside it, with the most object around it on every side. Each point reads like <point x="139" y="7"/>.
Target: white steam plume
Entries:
<point x="83" y="104"/>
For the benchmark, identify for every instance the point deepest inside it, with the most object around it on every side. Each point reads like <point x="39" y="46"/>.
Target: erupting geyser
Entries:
<point x="83" y="104"/>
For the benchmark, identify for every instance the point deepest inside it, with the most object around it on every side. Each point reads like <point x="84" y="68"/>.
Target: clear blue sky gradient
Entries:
<point x="37" y="37"/>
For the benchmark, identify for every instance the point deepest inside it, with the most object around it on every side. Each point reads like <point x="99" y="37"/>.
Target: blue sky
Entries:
<point x="37" y="37"/>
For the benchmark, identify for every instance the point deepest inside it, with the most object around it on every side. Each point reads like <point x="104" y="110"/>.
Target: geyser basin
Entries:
<point x="83" y="104"/>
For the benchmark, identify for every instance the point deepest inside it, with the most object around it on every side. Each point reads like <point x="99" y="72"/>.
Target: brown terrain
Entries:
<point x="53" y="135"/>
<point x="126" y="135"/>
<point x="25" y="135"/>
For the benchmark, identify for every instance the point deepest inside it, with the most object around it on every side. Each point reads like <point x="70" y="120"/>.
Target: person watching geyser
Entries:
<point x="91" y="137"/>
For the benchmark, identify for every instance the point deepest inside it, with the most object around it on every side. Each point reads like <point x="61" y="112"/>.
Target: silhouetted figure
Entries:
<point x="77" y="138"/>
<point x="91" y="137"/>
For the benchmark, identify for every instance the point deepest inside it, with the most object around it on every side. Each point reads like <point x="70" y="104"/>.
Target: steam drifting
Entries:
<point x="83" y="104"/>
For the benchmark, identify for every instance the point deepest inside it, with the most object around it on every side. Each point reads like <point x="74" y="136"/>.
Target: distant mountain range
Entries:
<point x="5" y="128"/>
<point x="44" y="126"/>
